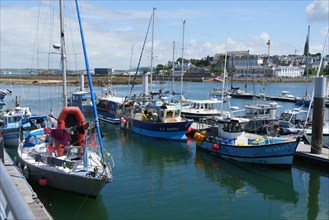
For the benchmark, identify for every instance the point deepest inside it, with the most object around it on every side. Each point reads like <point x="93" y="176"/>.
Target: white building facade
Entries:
<point x="288" y="71"/>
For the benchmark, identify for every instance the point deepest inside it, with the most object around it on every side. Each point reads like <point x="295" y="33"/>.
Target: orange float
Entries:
<point x="71" y="117"/>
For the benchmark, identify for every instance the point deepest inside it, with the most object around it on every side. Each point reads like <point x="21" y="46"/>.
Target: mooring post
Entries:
<point x="318" y="115"/>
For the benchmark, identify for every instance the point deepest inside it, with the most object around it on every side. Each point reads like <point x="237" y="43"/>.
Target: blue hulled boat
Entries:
<point x="229" y="140"/>
<point x="155" y="118"/>
<point x="109" y="107"/>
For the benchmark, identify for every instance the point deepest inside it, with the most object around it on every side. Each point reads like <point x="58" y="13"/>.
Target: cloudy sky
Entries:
<point x="115" y="30"/>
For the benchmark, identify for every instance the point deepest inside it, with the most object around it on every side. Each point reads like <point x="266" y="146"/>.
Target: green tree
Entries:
<point x="325" y="71"/>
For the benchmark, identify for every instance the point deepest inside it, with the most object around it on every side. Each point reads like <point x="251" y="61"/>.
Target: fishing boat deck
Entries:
<point x="26" y="191"/>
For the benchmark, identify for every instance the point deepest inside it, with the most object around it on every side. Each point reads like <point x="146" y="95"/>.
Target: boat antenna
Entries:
<point x="90" y="81"/>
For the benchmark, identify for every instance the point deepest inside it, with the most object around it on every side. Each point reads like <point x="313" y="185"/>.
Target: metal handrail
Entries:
<point x="12" y="203"/>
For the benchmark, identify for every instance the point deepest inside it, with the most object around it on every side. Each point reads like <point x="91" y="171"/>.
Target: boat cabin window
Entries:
<point x="264" y="111"/>
<point x="249" y="111"/>
<point x="285" y="116"/>
<point x="85" y="101"/>
<point x="14" y="119"/>
<point x="196" y="105"/>
<point x="169" y="114"/>
<point x="102" y="104"/>
<point x="234" y="126"/>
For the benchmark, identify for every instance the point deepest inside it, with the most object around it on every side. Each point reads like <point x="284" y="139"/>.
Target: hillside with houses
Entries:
<point x="238" y="64"/>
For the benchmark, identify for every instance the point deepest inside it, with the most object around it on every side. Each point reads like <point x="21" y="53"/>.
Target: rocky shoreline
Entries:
<point x="122" y="80"/>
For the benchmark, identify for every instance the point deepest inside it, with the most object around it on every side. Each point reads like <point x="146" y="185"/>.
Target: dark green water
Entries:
<point x="159" y="179"/>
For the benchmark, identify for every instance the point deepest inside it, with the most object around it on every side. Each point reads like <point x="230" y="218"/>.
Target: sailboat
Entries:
<point x="68" y="157"/>
<point x="157" y="117"/>
<point x="198" y="110"/>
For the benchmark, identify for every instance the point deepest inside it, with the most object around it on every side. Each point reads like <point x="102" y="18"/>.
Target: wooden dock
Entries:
<point x="304" y="152"/>
<point x="26" y="191"/>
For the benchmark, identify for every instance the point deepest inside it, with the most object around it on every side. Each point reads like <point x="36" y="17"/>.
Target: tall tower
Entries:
<point x="268" y="51"/>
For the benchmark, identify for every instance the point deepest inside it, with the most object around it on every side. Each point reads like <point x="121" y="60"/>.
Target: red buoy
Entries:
<point x="215" y="147"/>
<point x="43" y="181"/>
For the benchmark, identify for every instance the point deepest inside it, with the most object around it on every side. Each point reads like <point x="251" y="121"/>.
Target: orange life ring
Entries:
<point x="173" y="120"/>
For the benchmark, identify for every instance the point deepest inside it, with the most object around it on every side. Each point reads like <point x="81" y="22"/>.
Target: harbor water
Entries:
<point x="160" y="179"/>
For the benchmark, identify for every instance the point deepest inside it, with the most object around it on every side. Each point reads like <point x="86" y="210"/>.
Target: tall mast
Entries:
<point x="173" y="65"/>
<point x="224" y="79"/>
<point x="306" y="52"/>
<point x="152" y="49"/>
<point x="90" y="81"/>
<point x="181" y="76"/>
<point x="63" y="53"/>
<point x="131" y="58"/>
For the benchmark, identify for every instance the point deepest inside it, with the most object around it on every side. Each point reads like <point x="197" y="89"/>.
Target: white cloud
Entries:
<point x="111" y="33"/>
<point x="318" y="10"/>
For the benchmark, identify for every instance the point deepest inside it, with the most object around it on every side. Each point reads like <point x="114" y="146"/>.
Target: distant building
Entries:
<point x="243" y="58"/>
<point x="288" y="71"/>
<point x="186" y="65"/>
<point x="119" y="72"/>
<point x="103" y="71"/>
<point x="253" y="71"/>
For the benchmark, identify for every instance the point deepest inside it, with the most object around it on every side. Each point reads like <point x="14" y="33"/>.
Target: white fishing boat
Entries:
<point x="262" y="116"/>
<point x="286" y="94"/>
<point x="70" y="156"/>
<point x="200" y="109"/>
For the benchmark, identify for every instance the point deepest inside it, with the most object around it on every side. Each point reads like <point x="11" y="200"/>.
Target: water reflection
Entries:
<point x="158" y="152"/>
<point x="318" y="188"/>
<point x="273" y="183"/>
<point x="313" y="200"/>
<point x="66" y="205"/>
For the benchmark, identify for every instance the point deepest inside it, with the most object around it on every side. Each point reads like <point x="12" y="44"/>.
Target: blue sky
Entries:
<point x="115" y="30"/>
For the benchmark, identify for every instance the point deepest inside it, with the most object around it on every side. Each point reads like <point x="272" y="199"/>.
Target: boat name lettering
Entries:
<point x="276" y="149"/>
<point x="169" y="129"/>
